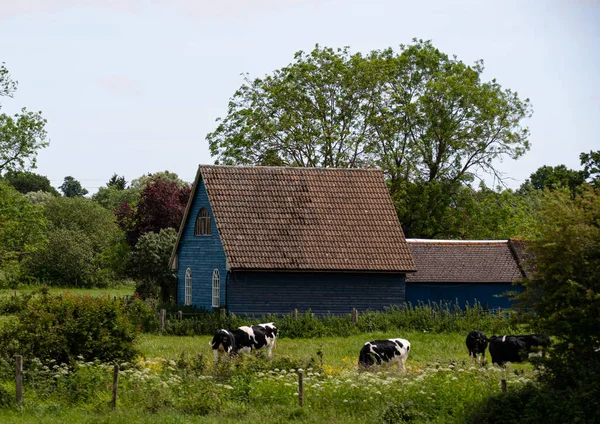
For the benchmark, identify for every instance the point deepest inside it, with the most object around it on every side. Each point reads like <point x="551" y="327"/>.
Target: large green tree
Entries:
<point x="26" y="182"/>
<point x="86" y="247"/>
<point x="150" y="263"/>
<point x="563" y="296"/>
<point x="21" y="135"/>
<point x="72" y="188"/>
<point x="22" y="232"/>
<point x="426" y="119"/>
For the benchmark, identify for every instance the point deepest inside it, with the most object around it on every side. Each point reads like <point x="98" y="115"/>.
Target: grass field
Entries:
<point x="121" y="290"/>
<point x="440" y="385"/>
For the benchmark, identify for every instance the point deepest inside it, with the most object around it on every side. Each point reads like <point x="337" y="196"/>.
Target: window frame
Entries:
<point x="203" y="226"/>
<point x="216" y="288"/>
<point x="188" y="287"/>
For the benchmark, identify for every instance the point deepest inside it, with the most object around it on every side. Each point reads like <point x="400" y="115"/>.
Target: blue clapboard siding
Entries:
<point x="488" y="295"/>
<point x="322" y="293"/>
<point x="202" y="254"/>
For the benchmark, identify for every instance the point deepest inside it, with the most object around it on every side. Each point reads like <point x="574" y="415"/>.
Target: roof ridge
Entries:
<point x="289" y="167"/>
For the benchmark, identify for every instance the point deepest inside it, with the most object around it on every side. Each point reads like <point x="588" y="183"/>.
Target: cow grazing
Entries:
<point x="505" y="349"/>
<point x="477" y="343"/>
<point x="244" y="338"/>
<point x="379" y="351"/>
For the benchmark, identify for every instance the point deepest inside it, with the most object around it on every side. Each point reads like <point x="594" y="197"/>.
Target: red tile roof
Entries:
<point x="306" y="219"/>
<point x="449" y="261"/>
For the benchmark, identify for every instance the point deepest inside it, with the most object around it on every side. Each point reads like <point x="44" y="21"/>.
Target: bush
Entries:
<point x="65" y="327"/>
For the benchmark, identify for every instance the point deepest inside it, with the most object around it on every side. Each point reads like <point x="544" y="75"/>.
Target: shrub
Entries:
<point x="64" y="327"/>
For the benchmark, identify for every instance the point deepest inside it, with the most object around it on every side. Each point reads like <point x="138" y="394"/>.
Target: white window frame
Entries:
<point x="216" y="288"/>
<point x="188" y="286"/>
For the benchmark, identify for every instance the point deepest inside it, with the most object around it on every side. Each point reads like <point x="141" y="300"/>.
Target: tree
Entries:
<point x="26" y="182"/>
<point x="591" y="165"/>
<point x="112" y="197"/>
<point x="72" y="188"/>
<point x="150" y="263"/>
<point x="22" y="232"/>
<point x="161" y="205"/>
<point x="563" y="296"/>
<point x="86" y="247"/>
<point x="22" y="134"/>
<point x="117" y="182"/>
<point x="556" y="177"/>
<point x="426" y="119"/>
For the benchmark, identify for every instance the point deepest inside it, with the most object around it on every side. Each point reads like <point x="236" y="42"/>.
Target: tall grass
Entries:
<point x="427" y="317"/>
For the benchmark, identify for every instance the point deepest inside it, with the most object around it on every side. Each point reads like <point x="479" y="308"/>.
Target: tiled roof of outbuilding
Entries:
<point x="306" y="219"/>
<point x="476" y="261"/>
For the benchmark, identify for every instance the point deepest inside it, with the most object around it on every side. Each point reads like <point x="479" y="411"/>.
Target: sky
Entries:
<point x="132" y="87"/>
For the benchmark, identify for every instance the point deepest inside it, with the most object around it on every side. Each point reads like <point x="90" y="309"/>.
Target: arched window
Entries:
<point x="216" y="289"/>
<point x="188" y="286"/>
<point x="203" y="227"/>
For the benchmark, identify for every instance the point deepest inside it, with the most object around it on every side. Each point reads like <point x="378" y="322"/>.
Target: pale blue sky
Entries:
<point x="134" y="86"/>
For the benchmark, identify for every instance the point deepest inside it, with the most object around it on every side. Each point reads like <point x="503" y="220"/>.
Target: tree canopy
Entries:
<point x="26" y="182"/>
<point x="423" y="117"/>
<point x="21" y="135"/>
<point x="72" y="188"/>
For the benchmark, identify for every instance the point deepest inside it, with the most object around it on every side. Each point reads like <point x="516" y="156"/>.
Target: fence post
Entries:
<point x="296" y="313"/>
<point x="179" y="315"/>
<point x="354" y="316"/>
<point x="223" y="313"/>
<point x="301" y="388"/>
<point x="163" y="316"/>
<point x="19" y="379"/>
<point x="115" y="386"/>
<point x="503" y="385"/>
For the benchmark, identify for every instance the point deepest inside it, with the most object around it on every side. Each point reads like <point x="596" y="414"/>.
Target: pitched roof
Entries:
<point x="306" y="218"/>
<point x="475" y="261"/>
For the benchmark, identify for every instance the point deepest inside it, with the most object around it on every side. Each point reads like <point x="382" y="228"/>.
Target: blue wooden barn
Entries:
<point x="451" y="271"/>
<point x="259" y="240"/>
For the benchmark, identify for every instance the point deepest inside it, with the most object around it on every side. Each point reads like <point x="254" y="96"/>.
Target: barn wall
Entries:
<point x="486" y="294"/>
<point x="322" y="293"/>
<point x="202" y="254"/>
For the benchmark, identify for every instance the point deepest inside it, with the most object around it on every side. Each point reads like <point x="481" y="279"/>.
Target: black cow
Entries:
<point x="378" y="351"/>
<point x="244" y="338"/>
<point x="515" y="348"/>
<point x="477" y="343"/>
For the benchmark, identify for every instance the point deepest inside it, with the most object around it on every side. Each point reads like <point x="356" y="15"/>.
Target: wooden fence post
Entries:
<point x="503" y="385"/>
<point x="163" y="316"/>
<point x="19" y="379"/>
<point x="354" y="315"/>
<point x="301" y="388"/>
<point x="115" y="387"/>
<point x="179" y="315"/>
<point x="296" y="313"/>
<point x="223" y="313"/>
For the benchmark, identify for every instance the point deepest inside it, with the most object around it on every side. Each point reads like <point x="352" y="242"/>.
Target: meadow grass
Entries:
<point x="118" y="290"/>
<point x="440" y="385"/>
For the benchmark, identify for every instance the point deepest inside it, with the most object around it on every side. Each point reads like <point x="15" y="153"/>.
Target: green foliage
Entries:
<point x="86" y="247"/>
<point x="21" y="135"/>
<point x="432" y="317"/>
<point x="426" y="119"/>
<point x="111" y="197"/>
<point x="563" y="300"/>
<point x="72" y="188"/>
<point x="556" y="177"/>
<point x="22" y="232"/>
<point x="25" y="182"/>
<point x="65" y="327"/>
<point x="150" y="263"/>
<point x="591" y="165"/>
<point x="118" y="182"/>
<point x="37" y="197"/>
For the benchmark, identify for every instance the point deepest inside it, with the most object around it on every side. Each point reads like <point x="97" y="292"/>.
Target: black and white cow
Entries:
<point x="244" y="338"/>
<point x="477" y="343"/>
<point x="379" y="351"/>
<point x="505" y="349"/>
